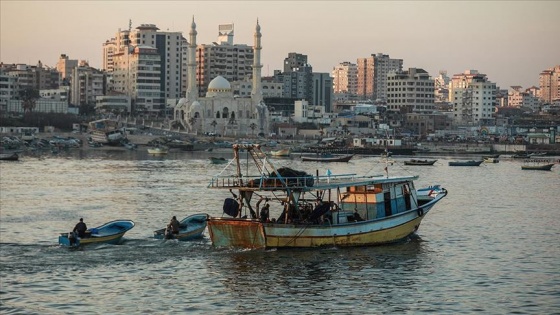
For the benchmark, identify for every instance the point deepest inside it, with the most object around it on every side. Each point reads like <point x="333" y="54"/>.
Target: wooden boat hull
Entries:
<point x="215" y="160"/>
<point x="158" y="151"/>
<point x="9" y="157"/>
<point x="193" y="227"/>
<point x="283" y="152"/>
<point x="344" y="158"/>
<point x="420" y="162"/>
<point x="247" y="233"/>
<point x="466" y="163"/>
<point x="109" y="233"/>
<point x="544" y="167"/>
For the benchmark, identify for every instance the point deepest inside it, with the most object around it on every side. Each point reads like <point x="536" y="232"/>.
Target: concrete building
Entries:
<point x="345" y="81"/>
<point x="297" y="77"/>
<point x="322" y="90"/>
<point x="8" y="90"/>
<point x="64" y="66"/>
<point x="269" y="88"/>
<point x="86" y="84"/>
<point x="518" y="97"/>
<point x="169" y="45"/>
<point x="549" y="82"/>
<point x="231" y="61"/>
<point x="113" y="101"/>
<point x="60" y="94"/>
<point x="220" y="111"/>
<point x="372" y="76"/>
<point x="411" y="90"/>
<point x="473" y="98"/>
<point x="441" y="87"/>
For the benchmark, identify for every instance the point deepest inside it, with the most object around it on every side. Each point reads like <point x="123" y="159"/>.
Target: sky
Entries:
<point x="509" y="41"/>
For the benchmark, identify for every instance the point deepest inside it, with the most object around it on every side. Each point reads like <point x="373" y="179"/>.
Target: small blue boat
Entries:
<point x="190" y="228"/>
<point x="108" y="233"/>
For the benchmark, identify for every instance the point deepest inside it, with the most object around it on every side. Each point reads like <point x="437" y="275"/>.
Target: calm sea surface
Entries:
<point x="491" y="246"/>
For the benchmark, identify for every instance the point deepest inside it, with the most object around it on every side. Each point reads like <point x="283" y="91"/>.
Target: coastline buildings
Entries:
<point x="86" y="84"/>
<point x="549" y="83"/>
<point x="372" y="76"/>
<point x="518" y="97"/>
<point x="473" y="98"/>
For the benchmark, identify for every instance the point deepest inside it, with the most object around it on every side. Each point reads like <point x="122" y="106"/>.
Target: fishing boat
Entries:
<point x="108" y="233"/>
<point x="466" y="163"/>
<point x="9" y="156"/>
<point x="282" y="152"/>
<point x="106" y="132"/>
<point x="419" y="162"/>
<point x="538" y="167"/>
<point x="328" y="157"/>
<point x="429" y="193"/>
<point x="305" y="211"/>
<point x="158" y="150"/>
<point x="190" y="228"/>
<point x="217" y="160"/>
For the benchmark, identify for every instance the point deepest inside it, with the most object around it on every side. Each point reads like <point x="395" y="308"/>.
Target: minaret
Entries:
<point x="192" y="92"/>
<point x="256" y="94"/>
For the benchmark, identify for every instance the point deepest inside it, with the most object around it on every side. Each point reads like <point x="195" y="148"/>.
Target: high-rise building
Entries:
<point x="87" y="83"/>
<point x="231" y="61"/>
<point x="345" y="79"/>
<point x="411" y="90"/>
<point x="171" y="49"/>
<point x="473" y="98"/>
<point x="549" y="82"/>
<point x="297" y="78"/>
<point x="322" y="90"/>
<point x="518" y="97"/>
<point x="372" y="76"/>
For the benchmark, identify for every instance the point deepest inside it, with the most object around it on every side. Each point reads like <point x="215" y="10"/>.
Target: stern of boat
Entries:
<point x="242" y="233"/>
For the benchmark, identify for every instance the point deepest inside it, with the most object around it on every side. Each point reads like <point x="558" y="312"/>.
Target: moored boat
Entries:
<point x="419" y="162"/>
<point x="190" y="228"/>
<point x="538" y="167"/>
<point x="490" y="160"/>
<point x="327" y="157"/>
<point x="429" y="193"/>
<point x="304" y="211"/>
<point x="108" y="233"/>
<point x="466" y="163"/>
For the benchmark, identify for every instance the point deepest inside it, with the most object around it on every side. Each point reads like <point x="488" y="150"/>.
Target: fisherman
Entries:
<point x="174" y="225"/>
<point x="265" y="213"/>
<point x="80" y="228"/>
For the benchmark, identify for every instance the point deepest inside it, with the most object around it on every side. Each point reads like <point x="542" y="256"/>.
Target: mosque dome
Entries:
<point x="219" y="84"/>
<point x="181" y="102"/>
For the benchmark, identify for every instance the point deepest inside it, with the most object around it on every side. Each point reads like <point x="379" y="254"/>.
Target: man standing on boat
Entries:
<point x="80" y="228"/>
<point x="174" y="225"/>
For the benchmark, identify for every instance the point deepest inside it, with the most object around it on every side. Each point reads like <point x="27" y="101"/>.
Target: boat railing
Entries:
<point x="274" y="183"/>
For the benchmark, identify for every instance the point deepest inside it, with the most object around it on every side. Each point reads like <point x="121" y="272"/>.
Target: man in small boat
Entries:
<point x="174" y="225"/>
<point x="80" y="228"/>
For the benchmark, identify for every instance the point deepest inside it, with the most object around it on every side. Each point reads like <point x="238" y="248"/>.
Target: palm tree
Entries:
<point x="29" y="97"/>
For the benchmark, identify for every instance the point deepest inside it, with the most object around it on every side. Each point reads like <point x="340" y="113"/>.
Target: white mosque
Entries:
<point x="220" y="112"/>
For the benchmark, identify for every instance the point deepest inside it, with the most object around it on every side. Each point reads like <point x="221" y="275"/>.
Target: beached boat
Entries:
<point x="538" y="167"/>
<point x="327" y="157"/>
<point x="304" y="211"/>
<point x="9" y="156"/>
<point x="466" y="163"/>
<point x="419" y="162"/>
<point x="190" y="228"/>
<point x="158" y="150"/>
<point x="108" y="233"/>
<point x="106" y="132"/>
<point x="283" y="152"/>
<point x="217" y="160"/>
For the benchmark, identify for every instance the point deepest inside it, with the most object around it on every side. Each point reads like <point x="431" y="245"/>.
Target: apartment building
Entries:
<point x="411" y="90"/>
<point x="372" y="76"/>
<point x="473" y="97"/>
<point x="64" y="66"/>
<point x="223" y="58"/>
<point x="86" y="84"/>
<point x="322" y="90"/>
<point x="297" y="78"/>
<point x="549" y="83"/>
<point x="345" y="81"/>
<point x="518" y="97"/>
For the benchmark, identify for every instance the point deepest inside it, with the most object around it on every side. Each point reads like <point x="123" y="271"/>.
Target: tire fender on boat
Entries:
<point x="420" y="212"/>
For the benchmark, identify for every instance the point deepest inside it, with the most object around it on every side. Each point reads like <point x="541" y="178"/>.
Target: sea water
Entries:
<point x="491" y="246"/>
